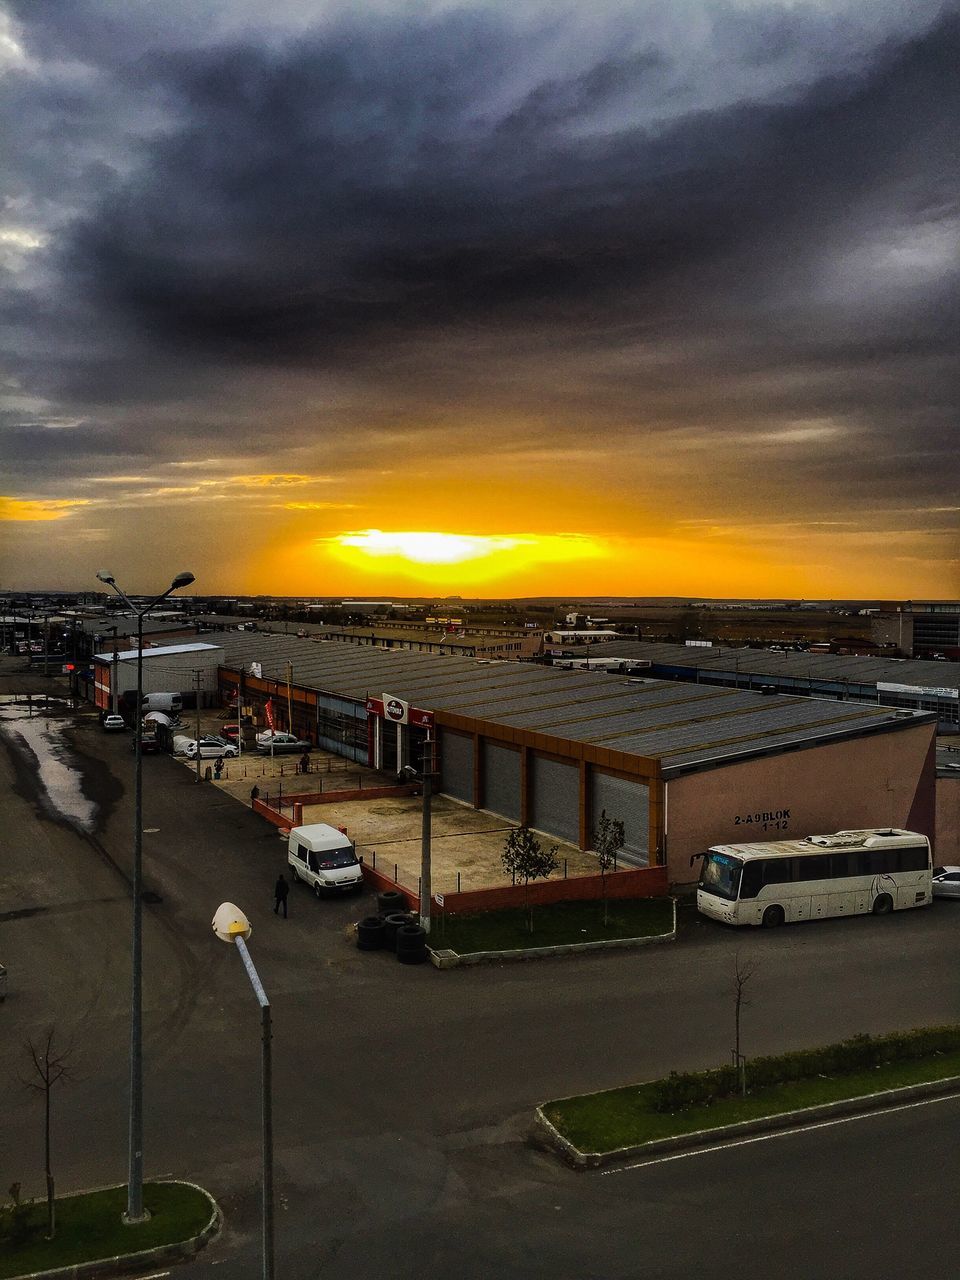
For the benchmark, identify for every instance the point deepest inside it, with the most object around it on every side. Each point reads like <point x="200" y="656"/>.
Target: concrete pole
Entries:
<point x="426" y="773"/>
<point x="197" y="674"/>
<point x="266" y="1109"/>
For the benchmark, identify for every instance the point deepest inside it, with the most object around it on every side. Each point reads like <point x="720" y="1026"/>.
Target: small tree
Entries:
<point x="743" y="971"/>
<point x="525" y="858"/>
<point x="48" y="1066"/>
<point x="607" y="842"/>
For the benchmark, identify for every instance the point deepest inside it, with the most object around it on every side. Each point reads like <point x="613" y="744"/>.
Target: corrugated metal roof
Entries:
<point x="682" y="725"/>
<point x="162" y="651"/>
<point x="832" y="667"/>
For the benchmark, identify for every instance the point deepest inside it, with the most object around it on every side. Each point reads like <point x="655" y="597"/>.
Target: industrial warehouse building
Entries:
<point x="190" y="669"/>
<point x="918" y="685"/>
<point x="683" y="765"/>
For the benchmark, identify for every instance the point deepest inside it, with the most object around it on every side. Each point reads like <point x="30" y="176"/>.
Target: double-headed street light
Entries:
<point x="135" y="1212"/>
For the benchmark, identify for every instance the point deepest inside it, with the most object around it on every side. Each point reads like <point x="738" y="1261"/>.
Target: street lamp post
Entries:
<point x="231" y="925"/>
<point x="426" y="777"/>
<point x="135" y="1213"/>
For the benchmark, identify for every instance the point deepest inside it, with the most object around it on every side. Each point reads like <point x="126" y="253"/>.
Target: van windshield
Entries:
<point x="337" y="858"/>
<point x="721" y="875"/>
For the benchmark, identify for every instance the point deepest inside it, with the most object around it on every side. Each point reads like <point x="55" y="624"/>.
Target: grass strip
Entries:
<point x="625" y="1117"/>
<point x="555" y="924"/>
<point x="89" y="1227"/>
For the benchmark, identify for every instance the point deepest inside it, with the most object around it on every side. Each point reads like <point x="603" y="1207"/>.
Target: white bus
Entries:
<point x="850" y="872"/>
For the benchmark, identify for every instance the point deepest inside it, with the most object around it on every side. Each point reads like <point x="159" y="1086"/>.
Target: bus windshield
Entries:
<point x="721" y="875"/>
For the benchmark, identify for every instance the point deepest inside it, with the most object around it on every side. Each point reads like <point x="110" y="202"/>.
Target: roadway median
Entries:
<point x="699" y="1108"/>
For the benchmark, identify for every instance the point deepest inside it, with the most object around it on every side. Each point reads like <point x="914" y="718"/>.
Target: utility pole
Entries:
<point x="289" y="698"/>
<point x="115" y="676"/>
<point x="427" y="774"/>
<point x="46" y="644"/>
<point x="197" y="674"/>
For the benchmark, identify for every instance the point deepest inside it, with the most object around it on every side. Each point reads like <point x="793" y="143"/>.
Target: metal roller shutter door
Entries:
<point x="501" y="781"/>
<point x="630" y="802"/>
<point x="456" y="766"/>
<point x="555" y="798"/>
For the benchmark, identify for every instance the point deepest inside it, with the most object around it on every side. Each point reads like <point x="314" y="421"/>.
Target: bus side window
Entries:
<point x="751" y="879"/>
<point x="778" y="870"/>
<point x="914" y="859"/>
<point x="844" y="864"/>
<point x="815" y="868"/>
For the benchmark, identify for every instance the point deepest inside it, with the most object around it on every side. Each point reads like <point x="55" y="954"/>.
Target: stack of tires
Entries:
<point x="393" y="929"/>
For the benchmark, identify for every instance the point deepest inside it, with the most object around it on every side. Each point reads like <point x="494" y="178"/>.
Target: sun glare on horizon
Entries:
<point x="429" y="554"/>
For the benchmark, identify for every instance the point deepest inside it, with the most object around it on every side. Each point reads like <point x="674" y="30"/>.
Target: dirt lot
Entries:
<point x="463" y="840"/>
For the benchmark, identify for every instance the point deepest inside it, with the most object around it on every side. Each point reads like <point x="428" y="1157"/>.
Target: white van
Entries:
<point x="324" y="857"/>
<point x="170" y="703"/>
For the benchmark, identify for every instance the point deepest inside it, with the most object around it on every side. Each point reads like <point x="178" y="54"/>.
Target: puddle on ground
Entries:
<point x="41" y="727"/>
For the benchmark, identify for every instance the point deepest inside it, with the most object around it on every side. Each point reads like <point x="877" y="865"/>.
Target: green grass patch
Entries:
<point x="625" y="1117"/>
<point x="88" y="1227"/>
<point x="554" y="925"/>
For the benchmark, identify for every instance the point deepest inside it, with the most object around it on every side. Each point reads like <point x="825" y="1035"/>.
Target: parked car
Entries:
<point x="149" y="744"/>
<point x="113" y="722"/>
<point x="946" y="882"/>
<point x="268" y="743"/>
<point x="210" y="748"/>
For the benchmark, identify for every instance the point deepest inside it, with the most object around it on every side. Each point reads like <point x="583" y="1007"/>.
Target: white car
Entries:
<point x="210" y="749"/>
<point x="112" y="723"/>
<point x="946" y="882"/>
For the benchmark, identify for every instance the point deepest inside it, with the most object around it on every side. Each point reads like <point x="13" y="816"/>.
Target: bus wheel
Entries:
<point x="772" y="917"/>
<point x="883" y="905"/>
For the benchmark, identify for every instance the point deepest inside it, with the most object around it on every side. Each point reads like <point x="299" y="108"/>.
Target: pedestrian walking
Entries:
<point x="254" y="794"/>
<point x="280" y="891"/>
<point x="218" y="768"/>
<point x="305" y="763"/>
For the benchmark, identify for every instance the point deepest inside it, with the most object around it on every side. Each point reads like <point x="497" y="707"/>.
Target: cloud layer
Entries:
<point x="715" y="241"/>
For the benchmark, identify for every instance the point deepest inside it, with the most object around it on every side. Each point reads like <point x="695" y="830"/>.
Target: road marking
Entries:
<point x="155" y="1275"/>
<point x="780" y="1133"/>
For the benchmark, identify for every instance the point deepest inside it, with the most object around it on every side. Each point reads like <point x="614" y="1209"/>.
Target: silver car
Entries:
<point x="946" y="882"/>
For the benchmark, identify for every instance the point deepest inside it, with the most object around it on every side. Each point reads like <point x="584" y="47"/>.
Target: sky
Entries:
<point x="504" y="299"/>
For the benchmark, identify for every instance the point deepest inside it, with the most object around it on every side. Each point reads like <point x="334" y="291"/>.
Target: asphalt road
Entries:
<point x="403" y="1096"/>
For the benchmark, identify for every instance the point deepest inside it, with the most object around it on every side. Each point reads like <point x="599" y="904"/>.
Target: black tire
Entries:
<point x="883" y="905"/>
<point x="411" y="944"/>
<point x="370" y="934"/>
<point x="316" y="889"/>
<point x="392" y="924"/>
<point x="773" y="917"/>
<point x="389" y="901"/>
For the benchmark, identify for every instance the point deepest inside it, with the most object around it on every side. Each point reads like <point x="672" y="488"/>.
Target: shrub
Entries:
<point x="860" y="1053"/>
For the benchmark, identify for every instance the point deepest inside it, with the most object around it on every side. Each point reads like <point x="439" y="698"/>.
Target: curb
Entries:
<point x="124" y="1262"/>
<point x="861" y="1105"/>
<point x="445" y="959"/>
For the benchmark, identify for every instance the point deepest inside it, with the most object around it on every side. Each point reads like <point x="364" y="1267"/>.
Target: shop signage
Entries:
<point x="401" y="712"/>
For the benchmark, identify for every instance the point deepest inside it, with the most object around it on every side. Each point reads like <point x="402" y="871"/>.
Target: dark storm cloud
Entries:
<point x="349" y="188"/>
<point x="466" y="214"/>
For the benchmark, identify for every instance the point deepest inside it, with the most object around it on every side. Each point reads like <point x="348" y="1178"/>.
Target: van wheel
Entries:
<point x="772" y="917"/>
<point x="316" y="889"/>
<point x="883" y="905"/>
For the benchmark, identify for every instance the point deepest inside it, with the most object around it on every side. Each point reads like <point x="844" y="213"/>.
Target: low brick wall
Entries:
<point x="638" y="882"/>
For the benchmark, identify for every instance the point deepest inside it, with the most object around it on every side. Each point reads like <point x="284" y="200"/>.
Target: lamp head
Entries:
<point x="230" y="923"/>
<point x="183" y="580"/>
<point x="108" y="578"/>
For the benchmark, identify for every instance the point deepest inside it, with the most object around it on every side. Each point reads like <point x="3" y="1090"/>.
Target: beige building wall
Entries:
<point x="880" y="780"/>
<point x="948" y="821"/>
